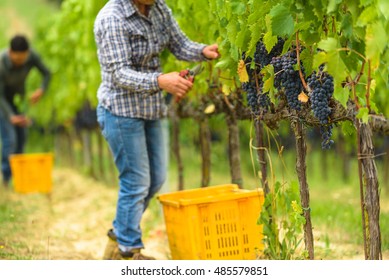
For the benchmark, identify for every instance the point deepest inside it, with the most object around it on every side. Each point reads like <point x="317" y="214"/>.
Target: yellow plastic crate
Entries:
<point x="32" y="172"/>
<point x="213" y="223"/>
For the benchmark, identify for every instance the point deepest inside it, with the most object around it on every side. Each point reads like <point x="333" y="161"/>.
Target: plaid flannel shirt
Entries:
<point x="128" y="48"/>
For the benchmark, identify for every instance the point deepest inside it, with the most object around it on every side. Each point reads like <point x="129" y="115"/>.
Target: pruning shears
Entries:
<point x="190" y="74"/>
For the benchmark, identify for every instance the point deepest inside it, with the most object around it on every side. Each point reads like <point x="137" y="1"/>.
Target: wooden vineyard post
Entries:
<point x="100" y="152"/>
<point x="176" y="146"/>
<point x="301" y="151"/>
<point x="234" y="149"/>
<point x="370" y="199"/>
<point x="261" y="155"/>
<point x="86" y="144"/>
<point x="205" y="145"/>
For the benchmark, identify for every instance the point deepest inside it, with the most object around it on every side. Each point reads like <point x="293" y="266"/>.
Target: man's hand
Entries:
<point x="174" y="84"/>
<point x="36" y="96"/>
<point x="211" y="51"/>
<point x="20" y="120"/>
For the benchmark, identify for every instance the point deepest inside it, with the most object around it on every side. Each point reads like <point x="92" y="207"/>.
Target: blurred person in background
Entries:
<point x="130" y="35"/>
<point x="15" y="65"/>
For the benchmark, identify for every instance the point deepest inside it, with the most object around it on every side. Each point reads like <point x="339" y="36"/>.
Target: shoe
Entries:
<point x="135" y="255"/>
<point x="6" y="184"/>
<point x="111" y="235"/>
<point x="141" y="257"/>
<point x="112" y="251"/>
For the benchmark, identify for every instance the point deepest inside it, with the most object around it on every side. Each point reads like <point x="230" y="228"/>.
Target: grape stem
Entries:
<point x="333" y="25"/>
<point x="299" y="63"/>
<point x="358" y="77"/>
<point x="355" y="95"/>
<point x="256" y="81"/>
<point x="282" y="70"/>
<point x="368" y="85"/>
<point x="355" y="81"/>
<point x="354" y="51"/>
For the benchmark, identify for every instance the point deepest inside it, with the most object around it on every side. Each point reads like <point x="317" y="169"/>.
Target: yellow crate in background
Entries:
<point x="32" y="172"/>
<point x="213" y="223"/>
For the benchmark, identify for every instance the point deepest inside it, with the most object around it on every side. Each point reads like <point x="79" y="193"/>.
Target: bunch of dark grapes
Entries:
<point x="255" y="98"/>
<point x="326" y="133"/>
<point x="262" y="57"/>
<point x="252" y="98"/>
<point x="287" y="77"/>
<point x="258" y="101"/>
<point x="322" y="86"/>
<point x="264" y="102"/>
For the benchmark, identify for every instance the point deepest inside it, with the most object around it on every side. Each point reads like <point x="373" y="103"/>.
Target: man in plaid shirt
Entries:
<point x="130" y="35"/>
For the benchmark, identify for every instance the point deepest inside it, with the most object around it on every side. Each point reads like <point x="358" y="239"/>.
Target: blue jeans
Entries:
<point x="138" y="147"/>
<point x="13" y="139"/>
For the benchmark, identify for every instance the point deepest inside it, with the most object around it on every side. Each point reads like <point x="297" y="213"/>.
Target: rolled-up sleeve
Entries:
<point x="115" y="54"/>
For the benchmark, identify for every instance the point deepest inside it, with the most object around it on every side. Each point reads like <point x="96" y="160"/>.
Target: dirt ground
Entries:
<point x="16" y="24"/>
<point x="71" y="224"/>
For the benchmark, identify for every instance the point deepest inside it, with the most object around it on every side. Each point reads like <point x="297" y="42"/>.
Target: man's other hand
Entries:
<point x="211" y="51"/>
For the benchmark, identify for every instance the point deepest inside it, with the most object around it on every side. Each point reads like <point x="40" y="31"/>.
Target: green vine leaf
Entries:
<point x="255" y="37"/>
<point x="270" y="41"/>
<point x="333" y="6"/>
<point x="332" y="58"/>
<point x="237" y="7"/>
<point x="347" y="25"/>
<point x="376" y="40"/>
<point x="232" y="30"/>
<point x="383" y="6"/>
<point x="348" y="128"/>
<point x="363" y="114"/>
<point x="367" y="16"/>
<point x="307" y="60"/>
<point x="301" y="26"/>
<point x="282" y="21"/>
<point x="318" y="9"/>
<point x="328" y="45"/>
<point x="268" y="82"/>
<point x="243" y="37"/>
<point x="341" y="94"/>
<point x="224" y="64"/>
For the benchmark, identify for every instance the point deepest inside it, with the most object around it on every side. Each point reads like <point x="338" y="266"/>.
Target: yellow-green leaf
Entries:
<point x="210" y="109"/>
<point x="242" y="72"/>
<point x="376" y="41"/>
<point x="341" y="93"/>
<point x="329" y="44"/>
<point x="383" y="6"/>
<point x="270" y="41"/>
<point x="226" y="89"/>
<point x="363" y="114"/>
